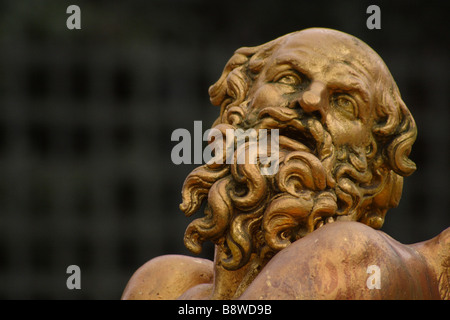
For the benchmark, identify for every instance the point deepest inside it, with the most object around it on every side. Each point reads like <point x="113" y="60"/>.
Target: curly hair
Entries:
<point x="248" y="213"/>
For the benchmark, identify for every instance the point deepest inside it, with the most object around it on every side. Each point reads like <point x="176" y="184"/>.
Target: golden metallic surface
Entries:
<point x="308" y="230"/>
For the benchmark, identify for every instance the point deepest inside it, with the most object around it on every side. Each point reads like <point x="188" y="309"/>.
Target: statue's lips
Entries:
<point x="292" y="131"/>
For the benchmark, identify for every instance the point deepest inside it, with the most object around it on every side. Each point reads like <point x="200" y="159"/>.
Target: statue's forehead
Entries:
<point x="324" y="41"/>
<point x="320" y="66"/>
<point x="321" y="49"/>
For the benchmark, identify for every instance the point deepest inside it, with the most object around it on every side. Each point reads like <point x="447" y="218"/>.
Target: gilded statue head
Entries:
<point x="344" y="140"/>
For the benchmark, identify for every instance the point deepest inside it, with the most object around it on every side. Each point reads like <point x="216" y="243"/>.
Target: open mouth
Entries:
<point x="303" y="139"/>
<point x="289" y="125"/>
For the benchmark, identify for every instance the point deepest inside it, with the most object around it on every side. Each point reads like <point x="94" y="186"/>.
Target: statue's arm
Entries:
<point x="167" y="277"/>
<point x="333" y="263"/>
<point x="436" y="252"/>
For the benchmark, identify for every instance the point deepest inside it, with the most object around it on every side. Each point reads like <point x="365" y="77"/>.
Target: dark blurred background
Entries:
<point x="87" y="115"/>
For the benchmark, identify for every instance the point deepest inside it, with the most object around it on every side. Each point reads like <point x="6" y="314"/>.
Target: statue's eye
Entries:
<point x="345" y="103"/>
<point x="289" y="79"/>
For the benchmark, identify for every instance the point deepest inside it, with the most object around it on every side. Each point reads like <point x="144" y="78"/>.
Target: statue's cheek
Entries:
<point x="345" y="131"/>
<point x="269" y="95"/>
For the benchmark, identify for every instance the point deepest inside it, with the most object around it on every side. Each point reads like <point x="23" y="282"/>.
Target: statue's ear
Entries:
<point x="396" y="132"/>
<point x="232" y="87"/>
<point x="220" y="91"/>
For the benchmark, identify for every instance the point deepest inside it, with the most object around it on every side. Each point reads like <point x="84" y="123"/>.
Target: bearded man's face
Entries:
<point x="319" y="82"/>
<point x="344" y="140"/>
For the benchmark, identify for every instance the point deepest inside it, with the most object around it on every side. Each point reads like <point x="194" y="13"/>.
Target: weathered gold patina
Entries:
<point x="308" y="231"/>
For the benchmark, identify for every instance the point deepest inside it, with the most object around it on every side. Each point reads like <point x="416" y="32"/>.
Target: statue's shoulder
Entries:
<point x="343" y="260"/>
<point x="337" y="242"/>
<point x="167" y="277"/>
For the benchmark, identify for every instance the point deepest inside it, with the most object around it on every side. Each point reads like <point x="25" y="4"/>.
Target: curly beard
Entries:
<point x="248" y="212"/>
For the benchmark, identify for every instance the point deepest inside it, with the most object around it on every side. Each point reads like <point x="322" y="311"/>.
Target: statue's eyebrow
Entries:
<point x="351" y="84"/>
<point x="293" y="61"/>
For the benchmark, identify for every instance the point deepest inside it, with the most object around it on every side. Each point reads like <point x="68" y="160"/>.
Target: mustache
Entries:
<point x="305" y="130"/>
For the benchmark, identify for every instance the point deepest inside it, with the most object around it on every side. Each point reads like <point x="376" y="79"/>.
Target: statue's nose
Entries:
<point x="314" y="98"/>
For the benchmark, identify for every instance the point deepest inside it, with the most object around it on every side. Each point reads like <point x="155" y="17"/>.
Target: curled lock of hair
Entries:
<point x="396" y="130"/>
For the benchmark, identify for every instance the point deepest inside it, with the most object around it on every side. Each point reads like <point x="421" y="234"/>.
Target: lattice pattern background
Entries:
<point x="86" y="119"/>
